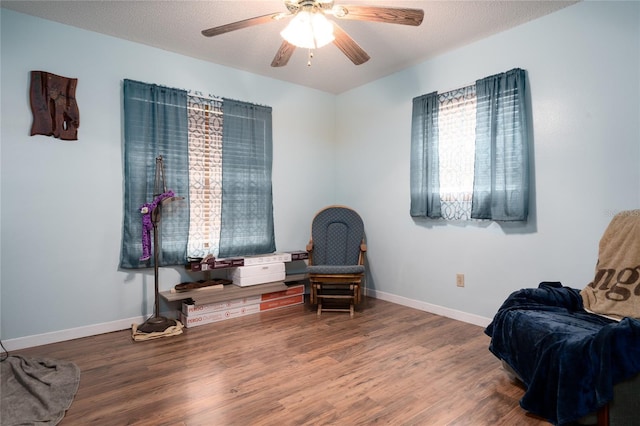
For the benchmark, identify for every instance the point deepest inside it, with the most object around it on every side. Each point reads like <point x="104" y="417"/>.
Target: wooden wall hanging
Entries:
<point x="54" y="107"/>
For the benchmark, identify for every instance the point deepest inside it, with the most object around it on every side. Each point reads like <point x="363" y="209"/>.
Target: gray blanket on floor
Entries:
<point x="36" y="391"/>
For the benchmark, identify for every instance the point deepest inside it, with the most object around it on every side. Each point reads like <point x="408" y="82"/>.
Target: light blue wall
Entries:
<point x="62" y="200"/>
<point x="583" y="65"/>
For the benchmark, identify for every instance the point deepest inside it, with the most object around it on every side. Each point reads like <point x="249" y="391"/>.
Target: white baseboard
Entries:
<point x="108" y="327"/>
<point x="70" y="334"/>
<point x="428" y="307"/>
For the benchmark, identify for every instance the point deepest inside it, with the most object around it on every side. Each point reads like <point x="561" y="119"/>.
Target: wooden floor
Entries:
<point x="388" y="365"/>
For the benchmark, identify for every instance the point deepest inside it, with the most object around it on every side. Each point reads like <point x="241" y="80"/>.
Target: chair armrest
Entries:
<point x="363" y="247"/>
<point x="309" y="247"/>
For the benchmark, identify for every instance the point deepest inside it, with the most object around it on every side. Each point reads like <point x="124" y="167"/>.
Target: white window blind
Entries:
<point x="205" y="175"/>
<point x="456" y="150"/>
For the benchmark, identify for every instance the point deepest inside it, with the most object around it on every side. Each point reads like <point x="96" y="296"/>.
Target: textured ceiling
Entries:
<point x="175" y="26"/>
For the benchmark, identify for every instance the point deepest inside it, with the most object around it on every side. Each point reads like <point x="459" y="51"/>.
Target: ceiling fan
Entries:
<point x="310" y="29"/>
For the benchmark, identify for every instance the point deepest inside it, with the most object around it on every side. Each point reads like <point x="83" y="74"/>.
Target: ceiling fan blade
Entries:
<point x="389" y="15"/>
<point x="244" y="24"/>
<point x="283" y="54"/>
<point x="348" y="46"/>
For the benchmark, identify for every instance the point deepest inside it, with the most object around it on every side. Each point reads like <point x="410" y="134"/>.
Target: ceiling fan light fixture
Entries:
<point x="309" y="30"/>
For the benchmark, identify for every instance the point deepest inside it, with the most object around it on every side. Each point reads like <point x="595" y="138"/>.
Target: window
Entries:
<point x="469" y="151"/>
<point x="456" y="124"/>
<point x="217" y="155"/>
<point x="205" y="175"/>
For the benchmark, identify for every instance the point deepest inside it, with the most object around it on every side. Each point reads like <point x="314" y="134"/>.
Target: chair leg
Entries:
<point x="317" y="295"/>
<point x="355" y="299"/>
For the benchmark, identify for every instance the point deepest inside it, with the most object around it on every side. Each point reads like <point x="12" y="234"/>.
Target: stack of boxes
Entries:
<point x="256" y="270"/>
<point x="193" y="315"/>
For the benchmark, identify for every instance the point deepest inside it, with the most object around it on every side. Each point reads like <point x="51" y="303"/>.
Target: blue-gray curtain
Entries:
<point x="501" y="179"/>
<point x="247" y="156"/>
<point x="155" y="123"/>
<point x="425" y="168"/>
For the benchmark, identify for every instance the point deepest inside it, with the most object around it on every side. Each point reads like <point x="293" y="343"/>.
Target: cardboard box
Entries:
<point x="213" y="263"/>
<point x="209" y="317"/>
<point x="258" y="274"/>
<point x="267" y="258"/>
<point x="281" y="303"/>
<point x="291" y="291"/>
<point x="215" y="316"/>
<point x="299" y="255"/>
<point x="189" y="309"/>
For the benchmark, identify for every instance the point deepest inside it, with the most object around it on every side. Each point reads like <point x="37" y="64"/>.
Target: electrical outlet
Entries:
<point x="460" y="280"/>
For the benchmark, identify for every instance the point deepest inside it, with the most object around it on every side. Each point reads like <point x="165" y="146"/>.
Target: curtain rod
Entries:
<point x="456" y="88"/>
<point x="197" y="94"/>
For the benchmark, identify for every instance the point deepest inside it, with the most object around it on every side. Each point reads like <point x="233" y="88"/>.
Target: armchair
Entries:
<point x="336" y="259"/>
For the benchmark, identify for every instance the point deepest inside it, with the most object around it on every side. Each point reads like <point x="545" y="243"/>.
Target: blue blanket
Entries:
<point x="568" y="359"/>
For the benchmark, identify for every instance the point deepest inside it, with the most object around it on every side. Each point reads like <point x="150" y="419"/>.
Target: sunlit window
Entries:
<point x="470" y="151"/>
<point x="456" y="149"/>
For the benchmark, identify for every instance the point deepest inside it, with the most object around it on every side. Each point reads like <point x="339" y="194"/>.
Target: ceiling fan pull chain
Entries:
<point x="310" y="57"/>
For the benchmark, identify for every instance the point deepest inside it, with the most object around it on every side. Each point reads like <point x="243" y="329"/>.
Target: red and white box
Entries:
<point x="215" y="316"/>
<point x="209" y="317"/>
<point x="189" y="309"/>
<point x="291" y="291"/>
<point x="281" y="303"/>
